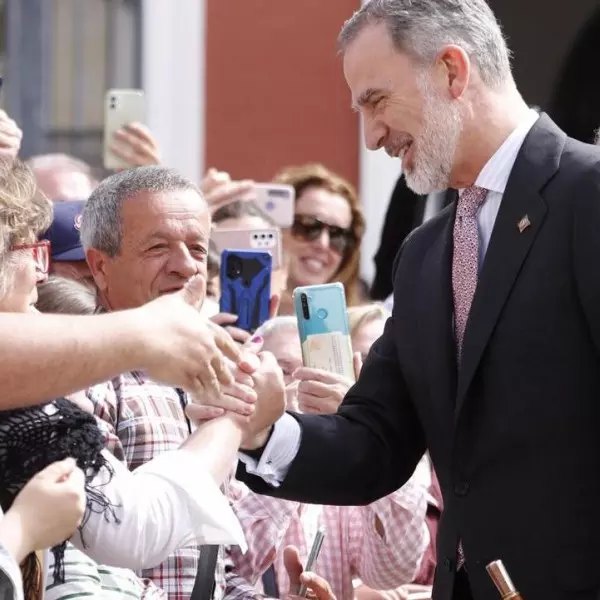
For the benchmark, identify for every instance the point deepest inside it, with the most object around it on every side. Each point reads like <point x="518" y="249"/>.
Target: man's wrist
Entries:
<point x="255" y="446"/>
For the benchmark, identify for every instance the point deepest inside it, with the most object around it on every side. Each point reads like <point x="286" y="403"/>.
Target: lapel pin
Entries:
<point x="523" y="224"/>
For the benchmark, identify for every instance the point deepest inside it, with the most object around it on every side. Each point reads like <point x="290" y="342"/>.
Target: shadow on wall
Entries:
<point x="575" y="105"/>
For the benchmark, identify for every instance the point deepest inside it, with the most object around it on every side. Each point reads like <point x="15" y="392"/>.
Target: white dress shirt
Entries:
<point x="285" y="439"/>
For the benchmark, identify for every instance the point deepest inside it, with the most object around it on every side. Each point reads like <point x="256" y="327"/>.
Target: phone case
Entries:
<point x="268" y="240"/>
<point x="246" y="286"/>
<point x="121" y="107"/>
<point x="324" y="329"/>
<point x="277" y="202"/>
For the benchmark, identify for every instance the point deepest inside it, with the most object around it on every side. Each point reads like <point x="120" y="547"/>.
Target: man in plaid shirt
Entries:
<point x="146" y="233"/>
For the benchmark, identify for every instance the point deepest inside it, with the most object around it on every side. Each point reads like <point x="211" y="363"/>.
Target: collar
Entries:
<point x="494" y="175"/>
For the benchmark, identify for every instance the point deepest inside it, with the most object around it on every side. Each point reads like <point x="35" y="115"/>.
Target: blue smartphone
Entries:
<point x="246" y="286"/>
<point x="324" y="330"/>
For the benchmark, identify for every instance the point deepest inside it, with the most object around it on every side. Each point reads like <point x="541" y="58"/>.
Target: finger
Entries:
<point x="239" y="335"/>
<point x="221" y="369"/>
<point x="228" y="192"/>
<point x="142" y="132"/>
<point x="133" y="151"/>
<point x="357" y="363"/>
<point x="59" y="470"/>
<point x="243" y="378"/>
<point x="250" y="362"/>
<point x="226" y="344"/>
<point x="309" y="405"/>
<point x="208" y="383"/>
<point x="201" y="412"/>
<point x="317" y="585"/>
<point x="315" y="388"/>
<point x="224" y="319"/>
<point x="235" y="405"/>
<point x="193" y="291"/>
<point x="274" y="306"/>
<point x="309" y="374"/>
<point x="293" y="566"/>
<point x="241" y="391"/>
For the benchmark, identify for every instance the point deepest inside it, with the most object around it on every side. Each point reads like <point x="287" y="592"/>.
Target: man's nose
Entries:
<point x="182" y="262"/>
<point x="375" y="133"/>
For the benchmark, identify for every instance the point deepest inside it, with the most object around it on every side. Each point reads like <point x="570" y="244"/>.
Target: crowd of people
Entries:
<point x="152" y="448"/>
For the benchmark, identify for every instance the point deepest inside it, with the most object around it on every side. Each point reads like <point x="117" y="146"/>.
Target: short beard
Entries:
<point x="436" y="146"/>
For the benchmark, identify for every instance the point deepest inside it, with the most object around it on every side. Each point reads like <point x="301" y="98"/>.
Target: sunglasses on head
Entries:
<point x="310" y="228"/>
<point x="40" y="252"/>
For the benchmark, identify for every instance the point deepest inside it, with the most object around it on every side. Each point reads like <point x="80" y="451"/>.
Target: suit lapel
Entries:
<point x="521" y="216"/>
<point x="437" y="346"/>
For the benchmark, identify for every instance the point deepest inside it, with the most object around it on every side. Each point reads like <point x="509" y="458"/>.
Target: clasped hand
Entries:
<point x="256" y="398"/>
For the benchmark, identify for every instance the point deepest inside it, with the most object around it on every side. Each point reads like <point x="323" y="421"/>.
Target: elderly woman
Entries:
<point x="131" y="520"/>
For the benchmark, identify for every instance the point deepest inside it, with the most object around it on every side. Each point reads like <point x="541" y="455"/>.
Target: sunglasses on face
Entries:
<point x="40" y="252"/>
<point x="310" y="229"/>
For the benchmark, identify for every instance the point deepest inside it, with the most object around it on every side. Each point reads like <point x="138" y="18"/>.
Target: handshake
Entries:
<point x="254" y="399"/>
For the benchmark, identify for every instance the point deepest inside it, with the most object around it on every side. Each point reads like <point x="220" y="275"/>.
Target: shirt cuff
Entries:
<point x="278" y="454"/>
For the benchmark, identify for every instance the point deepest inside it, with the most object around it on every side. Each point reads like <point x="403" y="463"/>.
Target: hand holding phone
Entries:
<point x="324" y="329"/>
<point x="312" y="557"/>
<point x="246" y="287"/>
<point x="121" y="108"/>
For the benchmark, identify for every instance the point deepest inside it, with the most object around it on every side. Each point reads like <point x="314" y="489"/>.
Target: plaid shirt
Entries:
<point x="144" y="419"/>
<point x="352" y="547"/>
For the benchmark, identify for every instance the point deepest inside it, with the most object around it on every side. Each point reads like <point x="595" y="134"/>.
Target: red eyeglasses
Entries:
<point x="40" y="252"/>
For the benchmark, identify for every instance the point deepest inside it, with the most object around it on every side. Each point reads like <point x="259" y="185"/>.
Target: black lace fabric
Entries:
<point x="35" y="437"/>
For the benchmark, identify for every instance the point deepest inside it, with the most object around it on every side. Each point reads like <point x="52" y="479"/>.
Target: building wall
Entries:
<point x="275" y="93"/>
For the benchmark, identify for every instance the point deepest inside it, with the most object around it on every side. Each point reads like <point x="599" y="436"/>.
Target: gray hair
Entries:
<point x="597" y="137"/>
<point x="101" y="217"/>
<point x="64" y="296"/>
<point x="421" y="28"/>
<point x="272" y="326"/>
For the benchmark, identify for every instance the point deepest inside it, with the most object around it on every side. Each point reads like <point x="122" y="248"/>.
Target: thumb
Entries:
<point x="293" y="566"/>
<point x="58" y="471"/>
<point x="194" y="291"/>
<point x="357" y="361"/>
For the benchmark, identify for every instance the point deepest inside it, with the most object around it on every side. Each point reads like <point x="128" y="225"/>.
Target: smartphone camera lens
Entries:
<point x="304" y="303"/>
<point x="234" y="267"/>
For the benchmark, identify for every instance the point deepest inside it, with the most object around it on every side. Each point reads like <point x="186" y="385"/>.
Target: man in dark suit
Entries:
<point x="491" y="359"/>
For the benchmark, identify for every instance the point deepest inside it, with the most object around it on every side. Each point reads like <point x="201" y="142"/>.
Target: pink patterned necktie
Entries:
<point x="465" y="271"/>
<point x="465" y="260"/>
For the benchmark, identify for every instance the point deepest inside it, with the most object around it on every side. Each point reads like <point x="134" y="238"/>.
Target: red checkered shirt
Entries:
<point x="144" y="419"/>
<point x="352" y="546"/>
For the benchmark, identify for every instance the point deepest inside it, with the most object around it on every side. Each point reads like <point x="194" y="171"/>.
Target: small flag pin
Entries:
<point x="523" y="224"/>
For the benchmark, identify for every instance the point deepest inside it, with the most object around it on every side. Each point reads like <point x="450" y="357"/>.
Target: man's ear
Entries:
<point x="98" y="263"/>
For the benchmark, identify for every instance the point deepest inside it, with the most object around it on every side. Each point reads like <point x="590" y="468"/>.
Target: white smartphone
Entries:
<point x="121" y="107"/>
<point x="268" y="239"/>
<point x="277" y="202"/>
<point x="312" y="557"/>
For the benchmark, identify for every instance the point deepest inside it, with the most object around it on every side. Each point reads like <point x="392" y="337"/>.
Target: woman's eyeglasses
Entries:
<point x="40" y="252"/>
<point x="309" y="229"/>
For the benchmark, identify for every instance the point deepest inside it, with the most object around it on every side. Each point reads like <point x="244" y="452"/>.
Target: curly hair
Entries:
<point x="318" y="176"/>
<point x="24" y="212"/>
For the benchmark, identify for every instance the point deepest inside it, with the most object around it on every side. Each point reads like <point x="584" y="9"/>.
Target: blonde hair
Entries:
<point x="308" y="176"/>
<point x="60" y="295"/>
<point x="361" y="315"/>
<point x="24" y="213"/>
